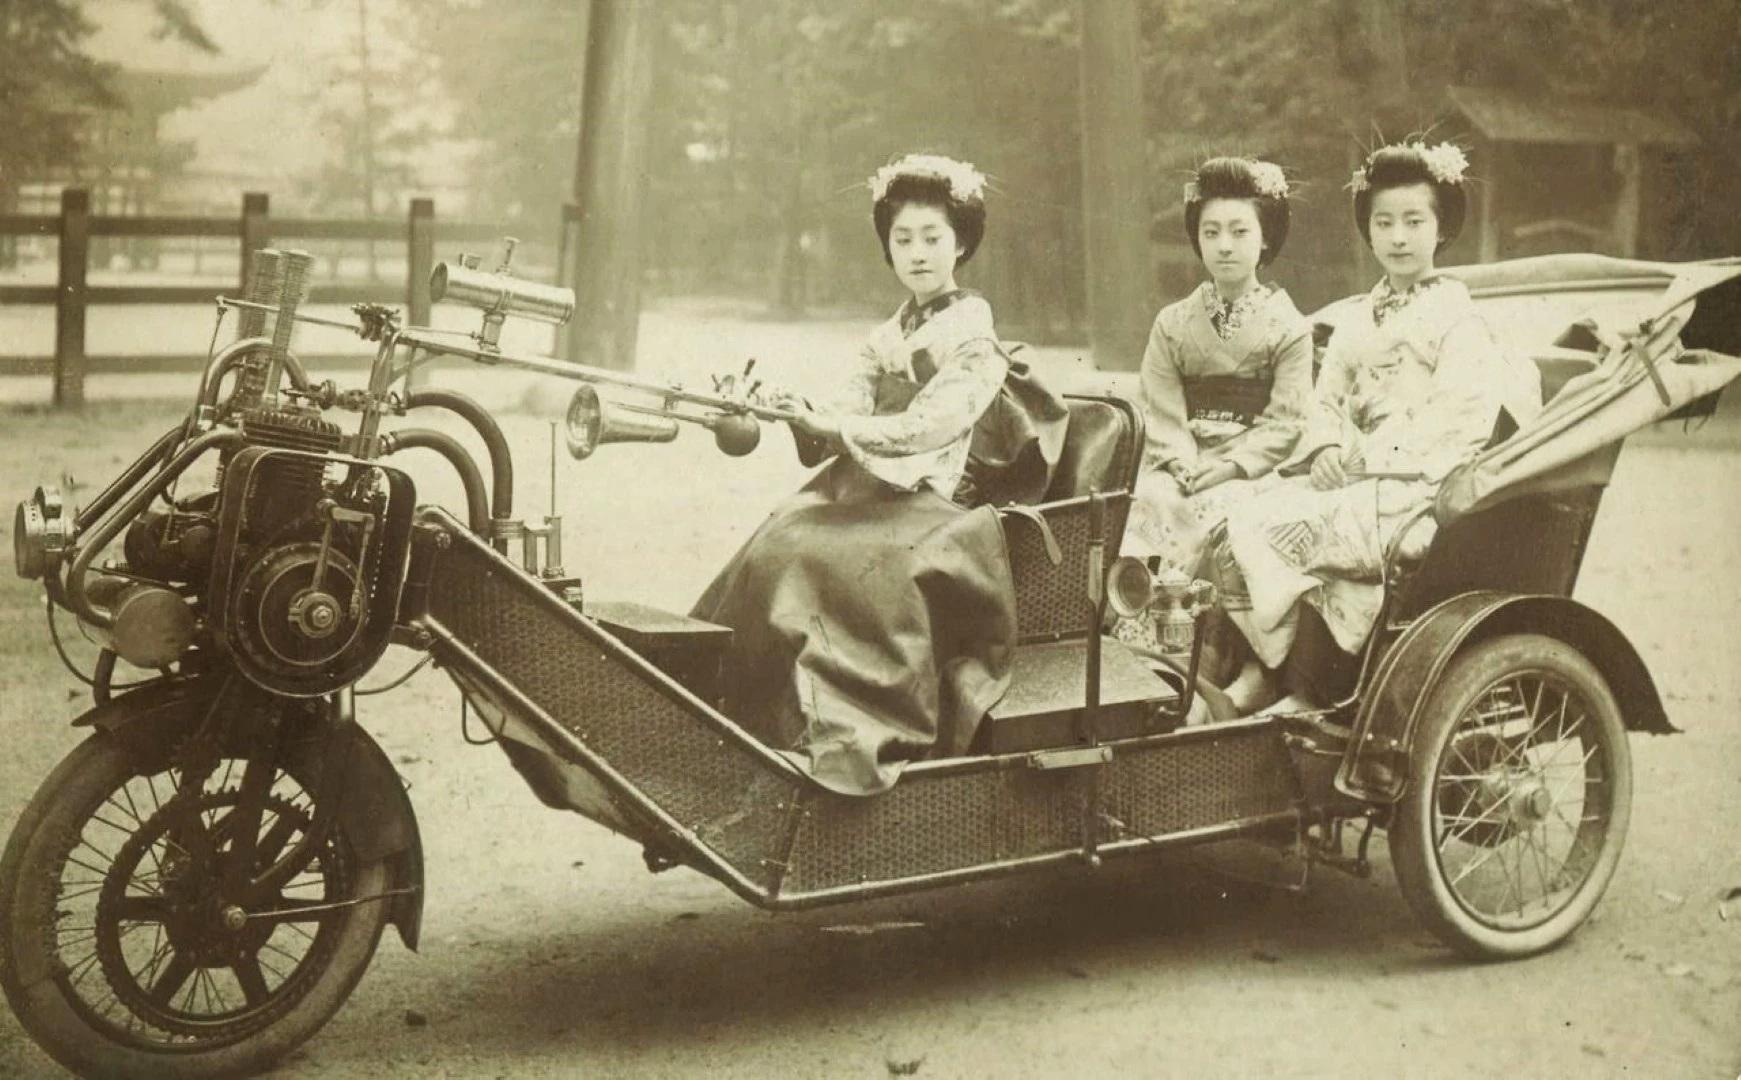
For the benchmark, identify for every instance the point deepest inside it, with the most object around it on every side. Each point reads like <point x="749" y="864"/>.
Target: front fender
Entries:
<point x="376" y="813"/>
<point x="1375" y="766"/>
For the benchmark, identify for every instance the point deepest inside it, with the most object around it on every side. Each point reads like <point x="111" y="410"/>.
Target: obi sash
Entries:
<point x="1226" y="398"/>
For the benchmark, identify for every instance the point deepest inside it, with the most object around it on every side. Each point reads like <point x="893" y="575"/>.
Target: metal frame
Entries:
<point x="794" y="808"/>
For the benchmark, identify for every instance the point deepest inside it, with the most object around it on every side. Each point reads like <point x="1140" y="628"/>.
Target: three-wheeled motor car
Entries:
<point x="200" y="884"/>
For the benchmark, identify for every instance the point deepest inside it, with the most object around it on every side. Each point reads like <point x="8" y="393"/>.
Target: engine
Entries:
<point x="289" y="569"/>
<point x="308" y="556"/>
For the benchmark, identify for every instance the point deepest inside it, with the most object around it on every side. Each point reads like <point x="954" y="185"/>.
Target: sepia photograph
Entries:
<point x="870" y="538"/>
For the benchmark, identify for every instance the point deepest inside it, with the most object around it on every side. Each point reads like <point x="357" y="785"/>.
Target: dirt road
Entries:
<point x="549" y="951"/>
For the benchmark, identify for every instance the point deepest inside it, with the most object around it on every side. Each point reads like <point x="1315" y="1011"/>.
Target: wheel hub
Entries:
<point x="1481" y="800"/>
<point x="1531" y="804"/>
<point x="203" y="928"/>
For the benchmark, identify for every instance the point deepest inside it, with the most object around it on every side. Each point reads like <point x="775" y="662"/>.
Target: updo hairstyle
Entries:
<point x="1259" y="182"/>
<point x="913" y="181"/>
<point x="1440" y="168"/>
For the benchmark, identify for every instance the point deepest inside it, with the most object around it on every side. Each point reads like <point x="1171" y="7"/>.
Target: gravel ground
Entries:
<point x="548" y="951"/>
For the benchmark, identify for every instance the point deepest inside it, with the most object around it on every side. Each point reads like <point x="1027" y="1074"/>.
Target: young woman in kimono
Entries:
<point x="1412" y="383"/>
<point x="873" y="613"/>
<point x="1227" y="369"/>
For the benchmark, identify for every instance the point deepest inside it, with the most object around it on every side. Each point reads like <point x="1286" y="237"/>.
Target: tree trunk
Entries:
<point x="1115" y="205"/>
<point x="611" y="180"/>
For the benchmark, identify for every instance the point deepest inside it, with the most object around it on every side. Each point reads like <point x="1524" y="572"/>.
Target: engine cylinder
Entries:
<point x="288" y="487"/>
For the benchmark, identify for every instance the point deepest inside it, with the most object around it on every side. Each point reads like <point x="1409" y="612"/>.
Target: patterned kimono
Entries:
<point x="1412" y="384"/>
<point x="874" y="617"/>
<point x="1221" y="382"/>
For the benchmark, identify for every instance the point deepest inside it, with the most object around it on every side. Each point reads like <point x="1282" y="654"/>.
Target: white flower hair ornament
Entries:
<point x="1268" y="179"/>
<point x="966" y="183"/>
<point x="1446" y="162"/>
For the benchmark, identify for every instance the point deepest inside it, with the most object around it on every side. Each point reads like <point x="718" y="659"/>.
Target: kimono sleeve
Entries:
<point x="1167" y="433"/>
<point x="857" y="395"/>
<point x="1273" y="436"/>
<point x="942" y="412"/>
<point x="1453" y="416"/>
<point x="1328" y="420"/>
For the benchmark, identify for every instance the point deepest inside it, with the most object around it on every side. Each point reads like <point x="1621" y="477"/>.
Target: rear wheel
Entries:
<point x="1520" y="788"/>
<point x="121" y="956"/>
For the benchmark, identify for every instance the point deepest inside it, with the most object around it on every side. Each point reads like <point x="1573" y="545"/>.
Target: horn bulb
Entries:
<point x="736" y="434"/>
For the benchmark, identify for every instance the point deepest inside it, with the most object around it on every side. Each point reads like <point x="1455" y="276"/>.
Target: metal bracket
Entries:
<point x="1075" y="758"/>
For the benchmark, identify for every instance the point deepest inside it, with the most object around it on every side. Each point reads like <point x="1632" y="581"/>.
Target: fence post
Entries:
<point x="419" y="262"/>
<point x="69" y="299"/>
<point x="256" y="225"/>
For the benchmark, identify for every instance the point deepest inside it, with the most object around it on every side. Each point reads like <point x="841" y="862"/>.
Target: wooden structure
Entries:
<point x="1528" y="148"/>
<point x="76" y="226"/>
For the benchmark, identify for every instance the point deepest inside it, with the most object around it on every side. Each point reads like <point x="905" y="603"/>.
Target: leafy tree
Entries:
<point x="511" y="76"/>
<point x="47" y="78"/>
<point x="769" y="114"/>
<point x="1299" y="78"/>
<point x="371" y="108"/>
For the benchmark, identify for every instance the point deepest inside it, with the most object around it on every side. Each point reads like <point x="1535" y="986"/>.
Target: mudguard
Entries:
<point x="376" y="813"/>
<point x="1375" y="766"/>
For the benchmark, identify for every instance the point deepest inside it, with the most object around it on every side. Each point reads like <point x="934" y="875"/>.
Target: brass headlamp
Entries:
<point x="499" y="294"/>
<point x="40" y="533"/>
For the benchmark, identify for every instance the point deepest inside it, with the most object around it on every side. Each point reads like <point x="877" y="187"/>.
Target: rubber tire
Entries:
<point x="93" y="769"/>
<point x="1413" y="854"/>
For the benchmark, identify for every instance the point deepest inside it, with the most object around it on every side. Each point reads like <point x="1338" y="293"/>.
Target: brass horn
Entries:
<point x="593" y="421"/>
<point x="1130" y="586"/>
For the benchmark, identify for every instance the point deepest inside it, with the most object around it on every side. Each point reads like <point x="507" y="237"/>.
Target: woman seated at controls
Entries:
<point x="1411" y="384"/>
<point x="1226" y="372"/>
<point x="873" y="612"/>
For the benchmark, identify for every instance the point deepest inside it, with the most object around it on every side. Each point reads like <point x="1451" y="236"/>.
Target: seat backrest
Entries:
<point x="1102" y="452"/>
<point x="1533" y="543"/>
<point x="1102" y="448"/>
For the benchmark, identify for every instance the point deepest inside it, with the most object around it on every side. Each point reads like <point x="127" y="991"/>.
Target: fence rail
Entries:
<point x="72" y="295"/>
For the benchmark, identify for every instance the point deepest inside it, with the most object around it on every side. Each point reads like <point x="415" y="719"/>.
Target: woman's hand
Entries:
<point x="778" y="397"/>
<point x="1329" y="469"/>
<point x="817" y="425"/>
<point x="1180" y="471"/>
<point x="1210" y="475"/>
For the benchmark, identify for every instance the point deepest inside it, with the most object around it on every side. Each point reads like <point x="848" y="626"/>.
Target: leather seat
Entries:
<point x="1102" y="448"/>
<point x="1048" y="541"/>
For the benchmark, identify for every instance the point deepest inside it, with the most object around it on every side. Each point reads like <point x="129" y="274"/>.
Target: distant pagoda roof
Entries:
<point x="161" y="92"/>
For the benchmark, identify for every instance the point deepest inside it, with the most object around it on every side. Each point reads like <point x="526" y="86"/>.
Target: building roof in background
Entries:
<point x="1506" y="117"/>
<point x="166" y="91"/>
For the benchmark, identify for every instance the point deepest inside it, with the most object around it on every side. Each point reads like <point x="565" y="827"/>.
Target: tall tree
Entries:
<point x="372" y="108"/>
<point x="49" y="83"/>
<point x="511" y="74"/>
<point x="44" y="73"/>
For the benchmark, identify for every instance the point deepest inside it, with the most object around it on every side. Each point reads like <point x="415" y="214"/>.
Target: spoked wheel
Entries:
<point x="126" y="951"/>
<point x="1520" y="790"/>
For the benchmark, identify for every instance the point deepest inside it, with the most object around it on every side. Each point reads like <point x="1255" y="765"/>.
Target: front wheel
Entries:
<point x="116" y="950"/>
<point x="1520" y="787"/>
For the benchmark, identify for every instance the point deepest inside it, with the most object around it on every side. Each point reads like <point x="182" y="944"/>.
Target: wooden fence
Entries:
<point x="73" y="295"/>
